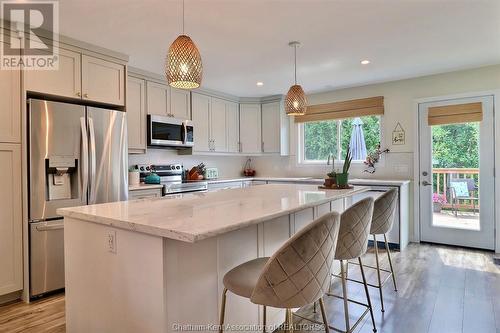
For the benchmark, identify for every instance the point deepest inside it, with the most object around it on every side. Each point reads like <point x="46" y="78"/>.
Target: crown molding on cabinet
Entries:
<point x="73" y="44"/>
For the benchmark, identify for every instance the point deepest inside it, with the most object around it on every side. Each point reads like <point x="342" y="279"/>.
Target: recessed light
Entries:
<point x="365" y="62"/>
<point x="260" y="84"/>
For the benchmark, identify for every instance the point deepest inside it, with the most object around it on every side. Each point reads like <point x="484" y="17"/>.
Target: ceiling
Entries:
<point x="245" y="41"/>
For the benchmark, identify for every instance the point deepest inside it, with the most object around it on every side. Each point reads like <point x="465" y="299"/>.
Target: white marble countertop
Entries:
<point x="196" y="216"/>
<point x="311" y="180"/>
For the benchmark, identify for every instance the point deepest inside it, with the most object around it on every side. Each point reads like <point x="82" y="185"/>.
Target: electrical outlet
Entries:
<point x="111" y="241"/>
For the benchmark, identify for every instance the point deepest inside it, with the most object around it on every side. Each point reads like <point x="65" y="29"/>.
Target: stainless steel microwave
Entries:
<point x="169" y="132"/>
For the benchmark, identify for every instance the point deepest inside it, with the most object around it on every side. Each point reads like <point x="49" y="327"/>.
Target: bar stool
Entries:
<point x="383" y="217"/>
<point x="296" y="275"/>
<point x="354" y="230"/>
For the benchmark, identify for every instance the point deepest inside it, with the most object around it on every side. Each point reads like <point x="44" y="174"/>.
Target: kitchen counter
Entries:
<point x="157" y="265"/>
<point x="311" y="180"/>
<point x="196" y="216"/>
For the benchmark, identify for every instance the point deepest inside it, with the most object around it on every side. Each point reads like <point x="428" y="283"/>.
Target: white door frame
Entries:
<point x="416" y="139"/>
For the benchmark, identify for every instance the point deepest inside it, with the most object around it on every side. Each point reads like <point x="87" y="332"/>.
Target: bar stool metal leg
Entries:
<point x="323" y="314"/>
<point x="264" y="319"/>
<point x="222" y="310"/>
<point x="390" y="262"/>
<point x="367" y="294"/>
<point x="344" y="294"/>
<point x="378" y="272"/>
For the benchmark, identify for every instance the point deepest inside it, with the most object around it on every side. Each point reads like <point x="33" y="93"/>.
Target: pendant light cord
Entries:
<point x="295" y="66"/>
<point x="183" y="18"/>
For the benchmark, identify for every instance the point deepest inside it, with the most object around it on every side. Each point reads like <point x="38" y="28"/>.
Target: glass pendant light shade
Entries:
<point x="184" y="68"/>
<point x="295" y="101"/>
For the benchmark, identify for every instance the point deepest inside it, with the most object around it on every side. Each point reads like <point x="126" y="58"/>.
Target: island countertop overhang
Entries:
<point x="198" y="216"/>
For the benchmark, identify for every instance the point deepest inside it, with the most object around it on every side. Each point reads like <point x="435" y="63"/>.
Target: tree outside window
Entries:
<point x="322" y="138"/>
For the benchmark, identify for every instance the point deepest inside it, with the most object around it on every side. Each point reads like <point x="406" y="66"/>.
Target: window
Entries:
<point x="321" y="138"/>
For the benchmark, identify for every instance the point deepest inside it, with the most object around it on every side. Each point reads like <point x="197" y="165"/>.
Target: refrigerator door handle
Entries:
<point x="84" y="158"/>
<point x="92" y="162"/>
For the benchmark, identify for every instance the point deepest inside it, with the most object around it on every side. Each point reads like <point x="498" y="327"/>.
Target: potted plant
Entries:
<point x="343" y="178"/>
<point x="438" y="200"/>
<point x="331" y="181"/>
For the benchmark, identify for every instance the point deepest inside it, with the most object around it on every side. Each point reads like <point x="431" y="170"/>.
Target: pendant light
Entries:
<point x="295" y="101"/>
<point x="183" y="68"/>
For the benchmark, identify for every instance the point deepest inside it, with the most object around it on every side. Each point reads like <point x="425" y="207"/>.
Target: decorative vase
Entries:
<point x="436" y="207"/>
<point x="330" y="182"/>
<point x="133" y="178"/>
<point x="342" y="179"/>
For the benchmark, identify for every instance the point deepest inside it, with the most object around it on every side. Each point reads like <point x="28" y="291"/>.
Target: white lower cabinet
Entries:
<point x="145" y="194"/>
<point x="250" y="128"/>
<point x="11" y="256"/>
<point x="225" y="186"/>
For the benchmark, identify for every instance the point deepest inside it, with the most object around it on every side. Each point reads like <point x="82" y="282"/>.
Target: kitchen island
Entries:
<point x="156" y="265"/>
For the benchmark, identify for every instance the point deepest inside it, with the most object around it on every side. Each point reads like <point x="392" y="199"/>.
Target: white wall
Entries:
<point x="229" y="166"/>
<point x="399" y="100"/>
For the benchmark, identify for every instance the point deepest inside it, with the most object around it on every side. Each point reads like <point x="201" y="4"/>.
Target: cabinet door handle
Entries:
<point x="86" y="95"/>
<point x="79" y="94"/>
<point x="262" y="146"/>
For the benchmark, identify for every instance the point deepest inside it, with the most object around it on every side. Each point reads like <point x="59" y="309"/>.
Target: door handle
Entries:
<point x="426" y="183"/>
<point x="49" y="227"/>
<point x="84" y="159"/>
<point x="92" y="162"/>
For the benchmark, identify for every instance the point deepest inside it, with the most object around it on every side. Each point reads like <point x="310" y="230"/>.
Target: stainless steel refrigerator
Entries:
<point x="77" y="156"/>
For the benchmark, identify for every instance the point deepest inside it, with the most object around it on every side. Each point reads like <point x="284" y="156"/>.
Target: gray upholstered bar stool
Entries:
<point x="384" y="212"/>
<point x="354" y="230"/>
<point x="296" y="275"/>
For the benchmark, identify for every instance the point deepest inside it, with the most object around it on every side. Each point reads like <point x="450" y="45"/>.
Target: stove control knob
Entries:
<point x="178" y="167"/>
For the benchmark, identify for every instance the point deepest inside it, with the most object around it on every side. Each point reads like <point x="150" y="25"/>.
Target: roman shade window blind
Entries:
<point x="453" y="114"/>
<point x="373" y="106"/>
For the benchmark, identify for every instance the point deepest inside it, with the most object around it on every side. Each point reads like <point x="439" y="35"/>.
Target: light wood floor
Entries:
<point x="440" y="290"/>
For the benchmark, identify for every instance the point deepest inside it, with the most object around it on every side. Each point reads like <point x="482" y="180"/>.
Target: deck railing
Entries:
<point x="441" y="183"/>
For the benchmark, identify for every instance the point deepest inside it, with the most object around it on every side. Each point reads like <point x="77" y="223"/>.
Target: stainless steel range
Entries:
<point x="171" y="176"/>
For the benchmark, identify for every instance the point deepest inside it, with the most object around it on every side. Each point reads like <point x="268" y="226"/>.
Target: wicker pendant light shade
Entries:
<point x="184" y="68"/>
<point x="295" y="101"/>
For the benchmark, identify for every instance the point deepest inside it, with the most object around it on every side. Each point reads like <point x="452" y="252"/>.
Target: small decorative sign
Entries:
<point x="398" y="135"/>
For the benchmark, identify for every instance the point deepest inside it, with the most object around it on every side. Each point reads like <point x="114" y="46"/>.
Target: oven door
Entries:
<point x="165" y="131"/>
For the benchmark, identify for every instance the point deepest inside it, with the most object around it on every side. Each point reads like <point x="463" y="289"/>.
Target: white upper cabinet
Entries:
<point x="271" y="127"/>
<point x="218" y="125"/>
<point x="232" y="127"/>
<point x="136" y="114"/>
<point x="201" y="121"/>
<point x="11" y="238"/>
<point x="250" y="128"/>
<point x="158" y="98"/>
<point x="10" y="106"/>
<point x="65" y="81"/>
<point x="103" y="81"/>
<point x="180" y="103"/>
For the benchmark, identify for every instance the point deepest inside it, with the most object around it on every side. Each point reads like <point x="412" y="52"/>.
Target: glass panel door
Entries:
<point x="456" y="177"/>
